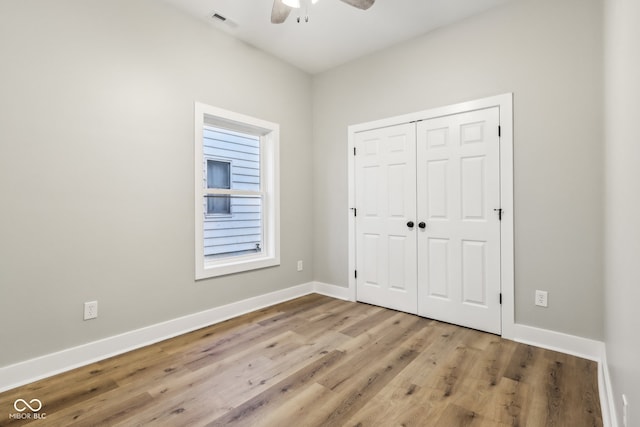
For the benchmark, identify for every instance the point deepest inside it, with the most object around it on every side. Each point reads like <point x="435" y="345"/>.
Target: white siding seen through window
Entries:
<point x="236" y="167"/>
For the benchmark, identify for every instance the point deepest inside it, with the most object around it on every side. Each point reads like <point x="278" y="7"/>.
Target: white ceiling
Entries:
<point x="336" y="32"/>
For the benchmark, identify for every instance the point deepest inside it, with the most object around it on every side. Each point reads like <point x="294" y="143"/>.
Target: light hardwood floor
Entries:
<point x="318" y="361"/>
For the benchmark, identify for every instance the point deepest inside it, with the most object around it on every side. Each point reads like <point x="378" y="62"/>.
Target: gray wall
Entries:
<point x="96" y="166"/>
<point x="549" y="54"/>
<point x="622" y="178"/>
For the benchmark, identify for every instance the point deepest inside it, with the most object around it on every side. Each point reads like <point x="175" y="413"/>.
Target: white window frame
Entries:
<point x="269" y="134"/>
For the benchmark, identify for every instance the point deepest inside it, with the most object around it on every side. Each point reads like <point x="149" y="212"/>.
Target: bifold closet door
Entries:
<point x="385" y="167"/>
<point x="458" y="170"/>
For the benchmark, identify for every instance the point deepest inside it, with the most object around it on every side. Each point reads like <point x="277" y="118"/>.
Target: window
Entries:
<point x="218" y="176"/>
<point x="237" y="200"/>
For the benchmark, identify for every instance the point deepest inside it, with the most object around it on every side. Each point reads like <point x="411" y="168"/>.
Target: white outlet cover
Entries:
<point x="541" y="298"/>
<point x="90" y="310"/>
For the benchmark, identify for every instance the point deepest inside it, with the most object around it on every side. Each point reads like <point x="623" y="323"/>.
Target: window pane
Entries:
<point x="237" y="234"/>
<point x="219" y="205"/>
<point x="218" y="174"/>
<point x="241" y="149"/>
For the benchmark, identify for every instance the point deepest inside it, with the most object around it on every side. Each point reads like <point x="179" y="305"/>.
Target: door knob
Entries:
<point x="422" y="224"/>
<point x="410" y="224"/>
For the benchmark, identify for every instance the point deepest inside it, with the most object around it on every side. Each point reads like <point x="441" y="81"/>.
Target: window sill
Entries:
<point x="225" y="266"/>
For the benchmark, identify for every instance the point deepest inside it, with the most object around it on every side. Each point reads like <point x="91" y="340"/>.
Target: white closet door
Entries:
<point x="386" y="203"/>
<point x="458" y="175"/>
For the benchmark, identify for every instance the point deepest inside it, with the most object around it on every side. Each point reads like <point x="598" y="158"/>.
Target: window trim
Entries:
<point x="269" y="134"/>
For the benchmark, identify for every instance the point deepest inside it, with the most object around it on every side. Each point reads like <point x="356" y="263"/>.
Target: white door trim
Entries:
<point x="505" y="104"/>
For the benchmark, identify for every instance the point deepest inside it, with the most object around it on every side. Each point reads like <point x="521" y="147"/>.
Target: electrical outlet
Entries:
<point x="625" y="411"/>
<point x="541" y="298"/>
<point x="90" y="310"/>
<point x="300" y="265"/>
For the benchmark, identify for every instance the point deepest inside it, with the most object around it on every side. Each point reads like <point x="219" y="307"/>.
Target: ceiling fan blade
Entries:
<point x="360" y="4"/>
<point x="280" y="12"/>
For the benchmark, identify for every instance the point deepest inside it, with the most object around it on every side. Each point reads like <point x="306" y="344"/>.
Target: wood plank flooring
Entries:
<point x="318" y="361"/>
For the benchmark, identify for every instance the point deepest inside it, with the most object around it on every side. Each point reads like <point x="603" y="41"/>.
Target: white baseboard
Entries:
<point x="51" y="364"/>
<point x="609" y="415"/>
<point x="558" y="341"/>
<point x="331" y="290"/>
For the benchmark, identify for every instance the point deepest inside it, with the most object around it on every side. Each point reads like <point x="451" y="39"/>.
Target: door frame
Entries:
<point x="504" y="103"/>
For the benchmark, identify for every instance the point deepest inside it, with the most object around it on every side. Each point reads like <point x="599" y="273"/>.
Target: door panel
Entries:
<point x="385" y="199"/>
<point x="472" y="188"/>
<point x="437" y="189"/>
<point x="458" y="172"/>
<point x="474" y="289"/>
<point x="437" y="282"/>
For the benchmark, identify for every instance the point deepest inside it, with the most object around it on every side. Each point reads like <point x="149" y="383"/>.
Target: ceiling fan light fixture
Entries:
<point x="292" y="3"/>
<point x="282" y="8"/>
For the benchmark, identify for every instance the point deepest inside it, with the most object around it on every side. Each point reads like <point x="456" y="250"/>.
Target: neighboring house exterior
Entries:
<point x="232" y="223"/>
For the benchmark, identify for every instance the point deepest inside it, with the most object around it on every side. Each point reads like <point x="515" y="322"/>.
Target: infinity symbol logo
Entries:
<point x="37" y="405"/>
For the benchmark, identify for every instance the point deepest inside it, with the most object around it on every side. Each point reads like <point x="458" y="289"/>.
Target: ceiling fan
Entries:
<point x="282" y="8"/>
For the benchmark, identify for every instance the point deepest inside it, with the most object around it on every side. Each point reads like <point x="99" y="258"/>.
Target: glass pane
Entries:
<point x="218" y="174"/>
<point x="235" y="234"/>
<point x="218" y="205"/>
<point x="238" y="150"/>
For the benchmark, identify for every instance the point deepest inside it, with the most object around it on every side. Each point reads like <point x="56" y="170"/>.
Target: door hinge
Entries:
<point x="355" y="274"/>
<point x="355" y="211"/>
<point x="499" y="131"/>
<point x="500" y="298"/>
<point x="354" y="151"/>
<point x="499" y="210"/>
